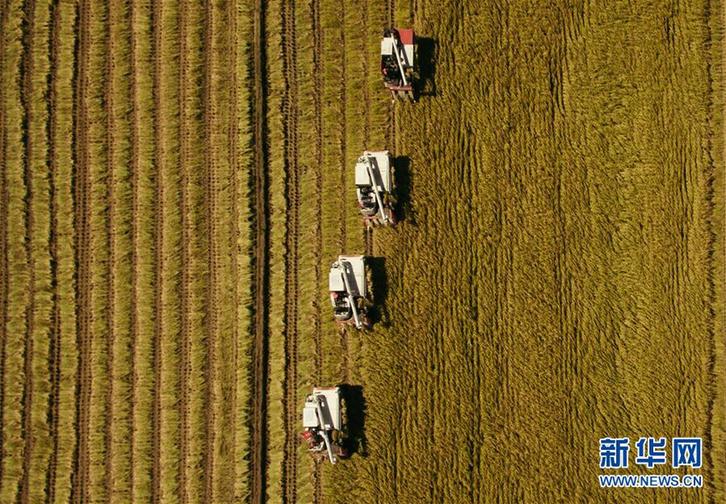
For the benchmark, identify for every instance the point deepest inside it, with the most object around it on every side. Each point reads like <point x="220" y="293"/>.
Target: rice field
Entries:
<point x="177" y="178"/>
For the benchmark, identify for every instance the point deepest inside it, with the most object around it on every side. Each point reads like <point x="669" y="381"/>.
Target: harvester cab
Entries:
<point x="322" y="424"/>
<point x="374" y="188"/>
<point x="348" y="287"/>
<point x="398" y="61"/>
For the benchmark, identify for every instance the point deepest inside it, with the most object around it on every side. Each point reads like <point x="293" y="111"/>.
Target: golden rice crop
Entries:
<point x="555" y="278"/>
<point x="143" y="283"/>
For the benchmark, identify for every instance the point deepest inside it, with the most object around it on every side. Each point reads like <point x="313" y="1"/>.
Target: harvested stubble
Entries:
<point x="102" y="135"/>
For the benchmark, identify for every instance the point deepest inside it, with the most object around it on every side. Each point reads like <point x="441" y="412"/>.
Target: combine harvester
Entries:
<point x="374" y="188"/>
<point x="322" y="424"/>
<point x="348" y="284"/>
<point x="398" y="62"/>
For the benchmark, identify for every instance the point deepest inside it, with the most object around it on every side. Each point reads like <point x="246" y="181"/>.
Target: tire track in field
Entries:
<point x="184" y="368"/>
<point x="232" y="132"/>
<point x="26" y="78"/>
<point x="54" y="366"/>
<point x="133" y="301"/>
<point x="712" y="416"/>
<point x="343" y="135"/>
<point x="391" y="12"/>
<point x="318" y="171"/>
<point x="715" y="414"/>
<point x="292" y="295"/>
<point x="346" y="354"/>
<point x="156" y="29"/>
<point x="367" y="230"/>
<point x="258" y="460"/>
<point x="79" y="490"/>
<point x="3" y="245"/>
<point x="365" y="70"/>
<point x="212" y="253"/>
<point x="368" y="237"/>
<point x="343" y="178"/>
<point x="111" y="18"/>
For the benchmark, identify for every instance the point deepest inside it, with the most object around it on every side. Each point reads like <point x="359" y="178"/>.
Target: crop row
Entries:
<point x="125" y="241"/>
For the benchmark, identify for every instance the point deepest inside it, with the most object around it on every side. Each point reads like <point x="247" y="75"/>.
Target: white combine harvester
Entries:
<point x="347" y="281"/>
<point x="322" y="423"/>
<point x="374" y="188"/>
<point x="398" y="61"/>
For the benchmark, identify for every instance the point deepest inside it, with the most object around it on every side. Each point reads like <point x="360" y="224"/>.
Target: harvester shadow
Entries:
<point x="379" y="291"/>
<point x="355" y="404"/>
<point x="426" y="66"/>
<point x="404" y="185"/>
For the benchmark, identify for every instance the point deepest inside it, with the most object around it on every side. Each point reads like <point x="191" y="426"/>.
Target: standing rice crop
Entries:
<point x="145" y="212"/>
<point x="15" y="254"/>
<point x="64" y="354"/>
<point x="169" y="239"/>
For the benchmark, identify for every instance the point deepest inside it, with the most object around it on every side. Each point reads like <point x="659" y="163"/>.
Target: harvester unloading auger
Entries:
<point x="398" y="61"/>
<point x="323" y="423"/>
<point x="348" y="285"/>
<point x="374" y="188"/>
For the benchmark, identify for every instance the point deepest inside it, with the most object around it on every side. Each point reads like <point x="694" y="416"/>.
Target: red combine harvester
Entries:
<point x="349" y="282"/>
<point x="398" y="62"/>
<point x="375" y="187"/>
<point x="323" y="424"/>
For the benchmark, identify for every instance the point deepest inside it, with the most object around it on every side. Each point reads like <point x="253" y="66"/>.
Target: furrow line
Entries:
<point x="156" y="28"/>
<point x="391" y="8"/>
<point x="26" y="99"/>
<point x="343" y="136"/>
<point x="212" y="254"/>
<point x="367" y="231"/>
<point x="55" y="322"/>
<point x="3" y="238"/>
<point x="258" y="460"/>
<point x="368" y="236"/>
<point x="184" y="367"/>
<point x="232" y="133"/>
<point x="133" y="302"/>
<point x="318" y="168"/>
<point x="111" y="244"/>
<point x="343" y="178"/>
<point x="291" y="256"/>
<point x="83" y="260"/>
<point x="365" y="70"/>
<point x="346" y="354"/>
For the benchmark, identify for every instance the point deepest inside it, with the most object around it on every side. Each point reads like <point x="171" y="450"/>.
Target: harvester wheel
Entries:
<point x="369" y="279"/>
<point x="344" y="433"/>
<point x="369" y="282"/>
<point x="392" y="217"/>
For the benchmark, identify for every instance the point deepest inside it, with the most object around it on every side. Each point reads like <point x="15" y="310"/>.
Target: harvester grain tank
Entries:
<point x="323" y="423"/>
<point x="348" y="285"/>
<point x="375" y="187"/>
